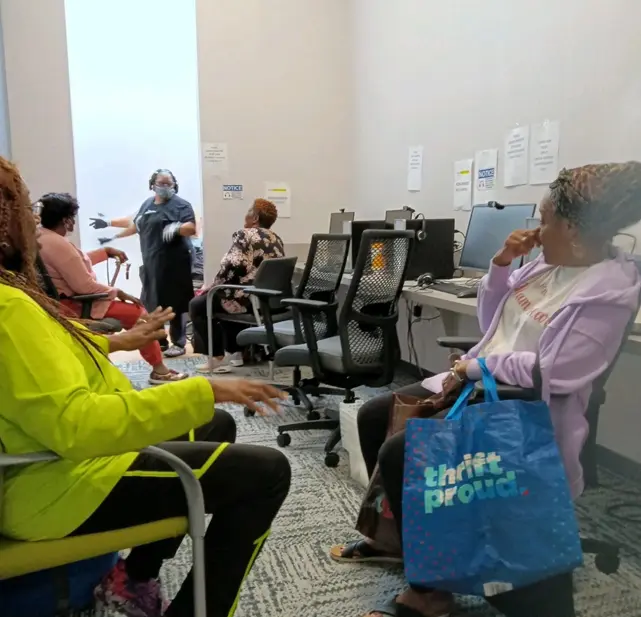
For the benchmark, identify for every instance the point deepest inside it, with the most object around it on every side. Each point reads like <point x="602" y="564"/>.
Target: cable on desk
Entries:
<point x="411" y="322"/>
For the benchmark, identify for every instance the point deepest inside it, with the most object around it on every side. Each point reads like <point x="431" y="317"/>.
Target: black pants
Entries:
<point x="244" y="487"/>
<point x="177" y="331"/>
<point x="549" y="598"/>
<point x="224" y="332"/>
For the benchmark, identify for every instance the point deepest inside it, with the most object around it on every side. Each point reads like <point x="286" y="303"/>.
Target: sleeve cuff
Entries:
<point x="473" y="370"/>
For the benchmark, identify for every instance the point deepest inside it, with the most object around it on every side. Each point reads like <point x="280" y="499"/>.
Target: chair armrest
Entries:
<point x="507" y="392"/>
<point x="464" y="343"/>
<point x="310" y="306"/>
<point x="216" y="288"/>
<point x="89" y="297"/>
<point x="187" y="477"/>
<point x="262" y="293"/>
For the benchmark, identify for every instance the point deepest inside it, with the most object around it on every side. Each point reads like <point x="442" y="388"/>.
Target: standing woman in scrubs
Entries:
<point x="165" y="222"/>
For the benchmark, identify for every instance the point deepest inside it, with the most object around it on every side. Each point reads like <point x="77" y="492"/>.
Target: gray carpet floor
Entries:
<point x="294" y="577"/>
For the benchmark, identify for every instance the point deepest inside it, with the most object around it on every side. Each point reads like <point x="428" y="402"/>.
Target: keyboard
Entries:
<point x="453" y="288"/>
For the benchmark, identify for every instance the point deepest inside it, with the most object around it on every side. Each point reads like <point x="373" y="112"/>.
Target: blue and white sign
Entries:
<point x="232" y="191"/>
<point x="485" y="164"/>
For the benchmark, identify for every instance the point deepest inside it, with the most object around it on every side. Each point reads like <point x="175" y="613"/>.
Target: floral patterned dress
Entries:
<point x="238" y="267"/>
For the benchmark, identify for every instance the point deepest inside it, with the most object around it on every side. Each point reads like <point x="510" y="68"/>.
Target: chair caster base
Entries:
<point x="607" y="563"/>
<point x="332" y="459"/>
<point x="284" y="439"/>
<point x="249" y="413"/>
<point x="313" y="415"/>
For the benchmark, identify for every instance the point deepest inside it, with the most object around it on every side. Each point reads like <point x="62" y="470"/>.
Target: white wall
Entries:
<point x="454" y="76"/>
<point x="275" y="84"/>
<point x="134" y="101"/>
<point x="35" y="48"/>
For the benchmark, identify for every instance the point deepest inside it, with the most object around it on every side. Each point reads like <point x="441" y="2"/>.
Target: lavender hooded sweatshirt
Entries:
<point x="577" y="346"/>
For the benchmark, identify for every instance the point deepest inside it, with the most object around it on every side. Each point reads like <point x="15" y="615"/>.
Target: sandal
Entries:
<point x="360" y="551"/>
<point x="156" y="379"/>
<point x="392" y="608"/>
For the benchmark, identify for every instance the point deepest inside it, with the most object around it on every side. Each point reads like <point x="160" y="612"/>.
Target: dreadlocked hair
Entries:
<point x="18" y="251"/>
<point x="600" y="200"/>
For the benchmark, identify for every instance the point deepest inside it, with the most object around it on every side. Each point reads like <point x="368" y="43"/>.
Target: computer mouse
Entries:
<point x="425" y="280"/>
<point x="469" y="292"/>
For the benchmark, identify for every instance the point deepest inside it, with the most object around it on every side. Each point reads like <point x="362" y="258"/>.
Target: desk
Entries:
<point x="446" y="315"/>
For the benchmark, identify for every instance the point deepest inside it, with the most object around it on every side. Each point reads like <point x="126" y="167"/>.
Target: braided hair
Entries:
<point x="162" y="172"/>
<point x="599" y="200"/>
<point x="18" y="251"/>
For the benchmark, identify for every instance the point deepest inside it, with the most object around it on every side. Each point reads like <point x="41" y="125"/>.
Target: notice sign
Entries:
<point x="232" y="191"/>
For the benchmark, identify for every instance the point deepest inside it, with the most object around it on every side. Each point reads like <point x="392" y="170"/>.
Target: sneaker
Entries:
<point x="117" y="592"/>
<point x="156" y="379"/>
<point x="236" y="359"/>
<point x="217" y="367"/>
<point x="174" y="351"/>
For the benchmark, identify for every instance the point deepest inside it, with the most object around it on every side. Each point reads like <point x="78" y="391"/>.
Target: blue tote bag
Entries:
<point x="486" y="503"/>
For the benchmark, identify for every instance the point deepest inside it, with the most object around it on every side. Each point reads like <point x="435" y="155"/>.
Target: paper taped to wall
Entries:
<point x="415" y="168"/>
<point x="544" y="152"/>
<point x="515" y="165"/>
<point x="280" y="195"/>
<point x="485" y="164"/>
<point x="215" y="158"/>
<point x="463" y="184"/>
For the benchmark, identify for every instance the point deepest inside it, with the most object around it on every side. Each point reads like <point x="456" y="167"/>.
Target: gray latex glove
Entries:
<point x="98" y="223"/>
<point x="104" y="240"/>
<point x="171" y="231"/>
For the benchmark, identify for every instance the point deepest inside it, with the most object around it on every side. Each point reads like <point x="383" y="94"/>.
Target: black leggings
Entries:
<point x="244" y="487"/>
<point x="224" y="332"/>
<point x="552" y="597"/>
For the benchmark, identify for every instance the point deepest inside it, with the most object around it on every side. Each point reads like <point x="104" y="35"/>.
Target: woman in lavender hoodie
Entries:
<point x="570" y="306"/>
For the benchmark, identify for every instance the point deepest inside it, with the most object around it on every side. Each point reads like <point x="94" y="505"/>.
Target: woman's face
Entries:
<point x="164" y="186"/>
<point x="558" y="237"/>
<point x="251" y="220"/>
<point x="69" y="224"/>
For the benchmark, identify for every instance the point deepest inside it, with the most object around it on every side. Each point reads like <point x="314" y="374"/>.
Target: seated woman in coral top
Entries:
<point x="72" y="273"/>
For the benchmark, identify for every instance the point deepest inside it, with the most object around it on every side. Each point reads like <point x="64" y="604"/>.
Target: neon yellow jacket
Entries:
<point x="54" y="396"/>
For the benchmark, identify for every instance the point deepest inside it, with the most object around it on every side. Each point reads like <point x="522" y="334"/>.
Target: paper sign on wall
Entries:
<point x="415" y="168"/>
<point x="463" y="177"/>
<point x="517" y="147"/>
<point x="215" y="159"/>
<point x="280" y="195"/>
<point x="485" y="171"/>
<point x="544" y="152"/>
<point x="232" y="191"/>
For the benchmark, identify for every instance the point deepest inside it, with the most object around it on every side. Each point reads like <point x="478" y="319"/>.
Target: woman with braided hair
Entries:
<point x="569" y="307"/>
<point x="61" y="393"/>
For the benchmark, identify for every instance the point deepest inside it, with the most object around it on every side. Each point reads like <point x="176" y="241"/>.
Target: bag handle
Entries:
<point x="489" y="385"/>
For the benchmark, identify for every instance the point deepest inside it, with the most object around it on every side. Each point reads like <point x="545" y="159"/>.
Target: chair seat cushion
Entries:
<point x="18" y="557"/>
<point x="284" y="332"/>
<point x="329" y="349"/>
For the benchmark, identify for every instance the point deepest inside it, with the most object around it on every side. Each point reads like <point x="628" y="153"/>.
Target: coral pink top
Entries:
<point x="71" y="270"/>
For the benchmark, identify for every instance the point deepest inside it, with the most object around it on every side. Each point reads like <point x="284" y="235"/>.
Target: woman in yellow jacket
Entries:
<point x="61" y="393"/>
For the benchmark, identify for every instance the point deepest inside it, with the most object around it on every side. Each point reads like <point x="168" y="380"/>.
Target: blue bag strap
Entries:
<point x="489" y="383"/>
<point x="457" y="409"/>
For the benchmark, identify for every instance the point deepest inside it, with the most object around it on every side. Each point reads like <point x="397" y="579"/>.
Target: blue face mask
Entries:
<point x="164" y="192"/>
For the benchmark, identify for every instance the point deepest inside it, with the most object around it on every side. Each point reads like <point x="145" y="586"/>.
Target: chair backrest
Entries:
<point x="277" y="274"/>
<point x="45" y="280"/>
<point x="321" y="278"/>
<point x="367" y="320"/>
<point x="589" y="458"/>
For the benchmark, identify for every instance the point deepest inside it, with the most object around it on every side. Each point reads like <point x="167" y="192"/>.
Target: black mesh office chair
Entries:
<point x="361" y="346"/>
<point x="606" y="553"/>
<point x="320" y="280"/>
<point x="273" y="281"/>
<point x="106" y="325"/>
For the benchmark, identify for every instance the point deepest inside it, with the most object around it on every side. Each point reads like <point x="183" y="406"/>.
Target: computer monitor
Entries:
<point x="337" y="221"/>
<point x="396" y="215"/>
<point x="532" y="223"/>
<point x="487" y="230"/>
<point x="433" y="248"/>
<point x="358" y="227"/>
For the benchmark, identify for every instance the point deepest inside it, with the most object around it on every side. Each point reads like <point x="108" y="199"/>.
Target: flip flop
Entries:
<point x="346" y="553"/>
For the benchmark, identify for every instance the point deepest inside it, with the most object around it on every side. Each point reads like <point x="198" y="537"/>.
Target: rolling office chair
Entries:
<point x="106" y="325"/>
<point x="18" y="558"/>
<point x="361" y="347"/>
<point x="320" y="280"/>
<point x="272" y="282"/>
<point x="606" y="554"/>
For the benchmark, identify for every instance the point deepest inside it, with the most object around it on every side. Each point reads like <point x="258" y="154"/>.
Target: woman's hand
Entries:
<point x="247" y="392"/>
<point x="149" y="328"/>
<point x="451" y="385"/>
<point x="116" y="254"/>
<point x="125" y="297"/>
<point x="518" y="244"/>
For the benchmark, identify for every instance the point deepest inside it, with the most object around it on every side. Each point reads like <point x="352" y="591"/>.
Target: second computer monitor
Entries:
<point x="487" y="230"/>
<point x="337" y="221"/>
<point x="396" y="215"/>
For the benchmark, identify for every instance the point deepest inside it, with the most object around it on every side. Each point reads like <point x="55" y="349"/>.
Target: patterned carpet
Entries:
<point x="294" y="576"/>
